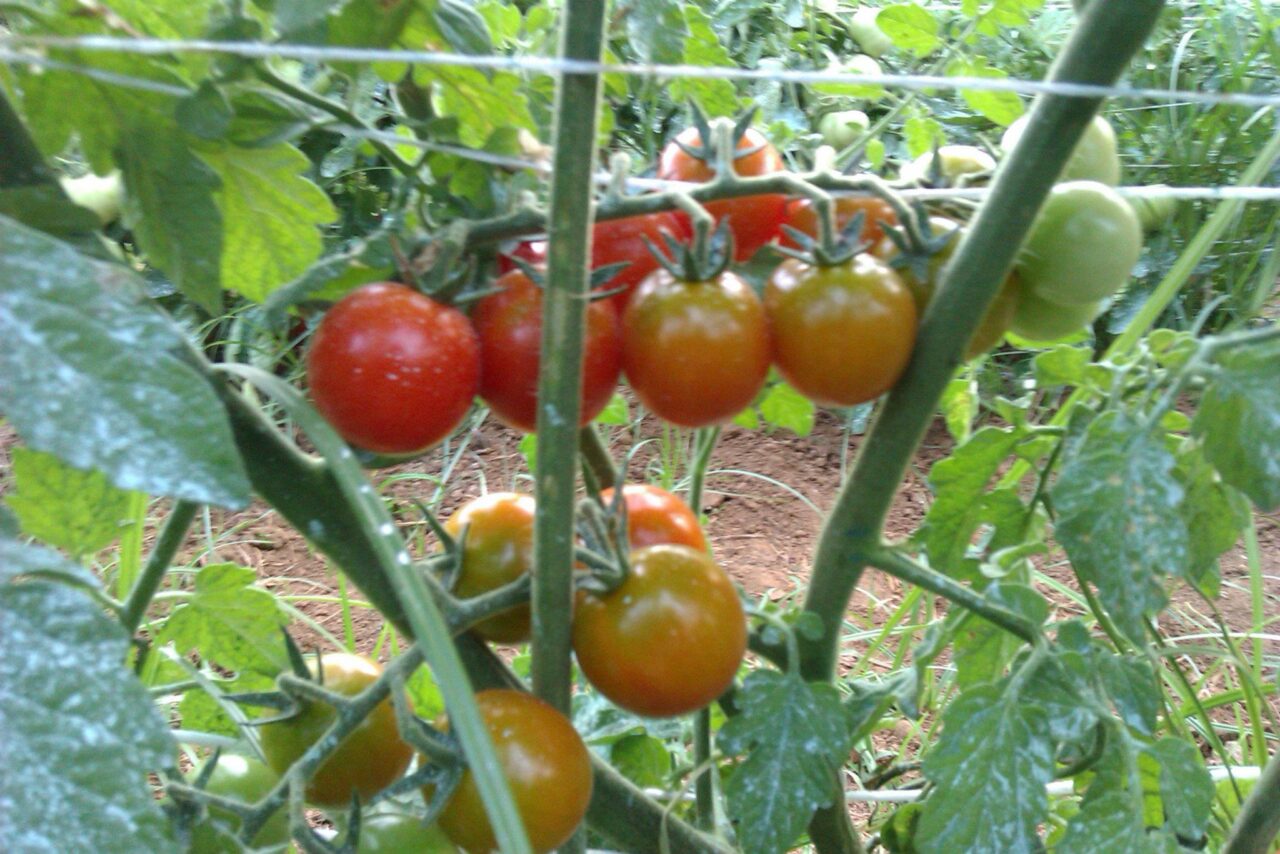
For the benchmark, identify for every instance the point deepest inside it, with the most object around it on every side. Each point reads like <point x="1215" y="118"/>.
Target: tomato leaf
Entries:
<point x="1063" y="365"/>
<point x="1119" y="519"/>
<point x="74" y="510"/>
<point x="1214" y="513"/>
<point x="703" y="47"/>
<point x="983" y="649"/>
<point x="642" y="759"/>
<point x="795" y="738"/>
<point x="994" y="749"/>
<point x="783" y="406"/>
<point x="910" y="27"/>
<point x="1239" y="420"/>
<point x="75" y="720"/>
<point x="1186" y="788"/>
<point x="998" y="106"/>
<point x="657" y="30"/>
<point x="462" y="27"/>
<point x="114" y="390"/>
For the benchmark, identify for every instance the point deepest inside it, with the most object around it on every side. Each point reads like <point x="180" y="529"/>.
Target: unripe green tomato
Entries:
<point x="842" y="129"/>
<point x="1153" y="212"/>
<point x="246" y="780"/>
<point x="957" y="160"/>
<point x="1082" y="246"/>
<point x="1039" y="319"/>
<point x="863" y="28"/>
<point x="389" y="833"/>
<point x="101" y="194"/>
<point x="862" y="64"/>
<point x="1094" y="158"/>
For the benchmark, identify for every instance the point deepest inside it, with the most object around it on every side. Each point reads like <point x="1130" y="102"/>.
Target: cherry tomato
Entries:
<point x="509" y="324"/>
<point x="997" y="320"/>
<point x="1040" y="319"/>
<point x="842" y="129"/>
<point x="669" y="639"/>
<point x="247" y="780"/>
<point x="390" y="833"/>
<point x="655" y="517"/>
<point x="616" y="240"/>
<point x="393" y="371"/>
<point x="498" y="550"/>
<point x="876" y="213"/>
<point x="1082" y="246"/>
<point x="545" y="763"/>
<point x="754" y="220"/>
<point x="1094" y="158"/>
<point x="369" y="759"/>
<point x="842" y="335"/>
<point x="533" y="252"/>
<point x="957" y="161"/>
<point x="696" y="353"/>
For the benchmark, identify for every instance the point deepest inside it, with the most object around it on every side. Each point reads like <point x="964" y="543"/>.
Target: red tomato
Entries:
<point x="656" y="517"/>
<point x="546" y="765"/>
<point x="498" y="550"/>
<point x="393" y="371"/>
<point x="618" y="240"/>
<point x="842" y="334"/>
<point x="509" y="324"/>
<point x="696" y="353"/>
<point x="669" y="639"/>
<point x="532" y="252"/>
<point x="754" y="220"/>
<point x="876" y="212"/>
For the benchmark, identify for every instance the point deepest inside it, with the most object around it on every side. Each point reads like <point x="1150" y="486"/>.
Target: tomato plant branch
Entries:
<point x="704" y="789"/>
<point x="1258" y="823"/>
<point x="144" y="589"/>
<point x="902" y="567"/>
<point x="564" y="304"/>
<point x="596" y="457"/>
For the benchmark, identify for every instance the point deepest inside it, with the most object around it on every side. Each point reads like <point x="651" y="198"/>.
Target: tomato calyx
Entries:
<point x="917" y="246"/>
<point x="701" y="260"/>
<point x="537" y="274"/>
<point x="833" y="247"/>
<point x="720" y="161"/>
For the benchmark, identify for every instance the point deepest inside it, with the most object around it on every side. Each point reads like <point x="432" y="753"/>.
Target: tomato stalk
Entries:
<point x="144" y="589"/>
<point x="1258" y="823"/>
<point x="1097" y="52"/>
<point x="704" y="788"/>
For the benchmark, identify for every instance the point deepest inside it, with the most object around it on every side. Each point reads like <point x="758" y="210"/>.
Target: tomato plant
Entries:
<point x="843" y="334"/>
<point x="498" y="549"/>
<point x="509" y="325"/>
<point x="369" y="759"/>
<point x="754" y="220"/>
<point x="876" y="213"/>
<point x="545" y="763"/>
<point x="695" y="353"/>
<point x="391" y="833"/>
<point x="656" y="517"/>
<point x="1082" y="246"/>
<point x="392" y="370"/>
<point x="1039" y="319"/>
<point x="634" y="643"/>
<point x="247" y="780"/>
<point x="1094" y="157"/>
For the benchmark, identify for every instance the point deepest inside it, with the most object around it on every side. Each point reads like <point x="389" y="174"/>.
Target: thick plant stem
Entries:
<point x="144" y="589"/>
<point x="1097" y="52"/>
<point x="1258" y="824"/>
<point x="563" y="323"/>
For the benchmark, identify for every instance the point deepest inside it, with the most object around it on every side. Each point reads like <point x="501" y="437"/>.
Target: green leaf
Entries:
<point x="704" y="48"/>
<point x="795" y="738"/>
<point x="1113" y="814"/>
<point x="922" y="134"/>
<point x="74" y="510"/>
<point x="615" y="412"/>
<point x="80" y="732"/>
<point x="982" y="649"/>
<point x="911" y="28"/>
<point x="270" y="214"/>
<point x="783" y="406"/>
<point x="480" y="104"/>
<point x="1063" y="365"/>
<point x="994" y="750"/>
<point x="463" y="27"/>
<point x="1000" y="107"/>
<point x="1118" y="516"/>
<point x="898" y="833"/>
<point x="46" y="208"/>
<point x="995" y="14"/>
<point x="642" y="759"/>
<point x="959" y="407"/>
<point x="170" y="207"/>
<point x="305" y="20"/>
<point x="1239" y="420"/>
<point x="1214" y="514"/>
<point x="231" y="623"/>
<point x="1062" y="685"/>
<point x="116" y="392"/>
<point x="1186" y="788"/>
<point x="1133" y="688"/>
<point x="656" y="30"/>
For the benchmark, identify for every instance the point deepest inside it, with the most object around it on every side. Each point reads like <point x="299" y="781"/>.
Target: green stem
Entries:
<point x="704" y="788"/>
<point x="144" y="589"/>
<point x="595" y="454"/>
<point x="564" y="307"/>
<point x="1258" y="824"/>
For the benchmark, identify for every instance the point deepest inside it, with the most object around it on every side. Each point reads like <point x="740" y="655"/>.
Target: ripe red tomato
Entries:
<point x="876" y="213"/>
<point x="754" y="220"/>
<point x="695" y="353"/>
<point x="669" y="639"/>
<point x="392" y="370"/>
<point x="369" y="759"/>
<point x="509" y="324"/>
<point x="532" y="252"/>
<point x="842" y="335"/>
<point x="656" y="517"/>
<point x="498" y="550"/>
<point x="545" y="763"/>
<point x="617" y="240"/>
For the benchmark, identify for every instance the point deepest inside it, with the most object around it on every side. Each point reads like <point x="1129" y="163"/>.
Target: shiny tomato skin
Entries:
<point x="368" y="760"/>
<point x="247" y="780"/>
<point x="1038" y="319"/>
<point x="614" y="241"/>
<point x="997" y="320"/>
<point x="546" y="765"/>
<point x="388" y="833"/>
<point x="392" y="370"/>
<point x="842" y="335"/>
<point x="509" y="324"/>
<point x="876" y="213"/>
<point x="498" y="550"/>
<point x="533" y="252"/>
<point x="695" y="353"/>
<point x="754" y="220"/>
<point x="656" y="517"/>
<point x="669" y="639"/>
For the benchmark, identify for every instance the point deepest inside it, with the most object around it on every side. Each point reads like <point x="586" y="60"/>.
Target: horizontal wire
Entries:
<point x="543" y="65"/>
